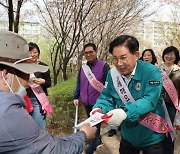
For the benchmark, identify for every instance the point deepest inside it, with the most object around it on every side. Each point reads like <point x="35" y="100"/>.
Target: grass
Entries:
<point x="61" y="122"/>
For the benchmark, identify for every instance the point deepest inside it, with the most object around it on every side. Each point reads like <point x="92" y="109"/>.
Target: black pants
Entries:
<point x="88" y="109"/>
<point x="128" y="148"/>
<point x="94" y="142"/>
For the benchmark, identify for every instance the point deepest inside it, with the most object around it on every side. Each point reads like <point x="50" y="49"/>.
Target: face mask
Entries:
<point x="22" y="90"/>
<point x="7" y="82"/>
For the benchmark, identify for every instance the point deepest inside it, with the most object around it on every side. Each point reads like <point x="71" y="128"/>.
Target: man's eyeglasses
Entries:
<point x="122" y="60"/>
<point x="89" y="52"/>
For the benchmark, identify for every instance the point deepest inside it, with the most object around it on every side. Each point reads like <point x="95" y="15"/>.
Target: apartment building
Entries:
<point x="26" y="29"/>
<point x="157" y="35"/>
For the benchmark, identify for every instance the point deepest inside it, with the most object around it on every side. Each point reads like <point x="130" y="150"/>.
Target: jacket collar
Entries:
<point x="138" y="71"/>
<point x="93" y="63"/>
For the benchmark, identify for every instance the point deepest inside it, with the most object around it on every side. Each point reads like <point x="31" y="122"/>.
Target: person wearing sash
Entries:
<point x="170" y="56"/>
<point x="178" y="113"/>
<point x="19" y="133"/>
<point x="135" y="88"/>
<point x="90" y="82"/>
<point x="44" y="81"/>
<point x="178" y="63"/>
<point x="148" y="55"/>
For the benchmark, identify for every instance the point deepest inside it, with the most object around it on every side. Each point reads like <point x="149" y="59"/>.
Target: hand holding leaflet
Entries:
<point x="92" y="120"/>
<point x="95" y="119"/>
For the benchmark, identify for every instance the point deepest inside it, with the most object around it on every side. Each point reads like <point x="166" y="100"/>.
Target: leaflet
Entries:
<point x="92" y="120"/>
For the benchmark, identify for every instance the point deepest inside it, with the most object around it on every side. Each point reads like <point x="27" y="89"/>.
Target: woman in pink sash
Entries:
<point x="42" y="79"/>
<point x="170" y="57"/>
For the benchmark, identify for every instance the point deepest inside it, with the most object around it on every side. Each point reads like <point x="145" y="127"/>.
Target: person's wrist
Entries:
<point x="85" y="135"/>
<point x="81" y="130"/>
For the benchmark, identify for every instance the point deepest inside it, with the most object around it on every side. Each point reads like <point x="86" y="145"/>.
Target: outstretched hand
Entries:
<point x="89" y="131"/>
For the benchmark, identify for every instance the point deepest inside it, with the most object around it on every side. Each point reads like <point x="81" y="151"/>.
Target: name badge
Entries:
<point x="154" y="82"/>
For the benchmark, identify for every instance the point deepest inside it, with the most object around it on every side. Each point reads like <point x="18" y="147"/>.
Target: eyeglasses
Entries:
<point x="89" y="52"/>
<point x="122" y="60"/>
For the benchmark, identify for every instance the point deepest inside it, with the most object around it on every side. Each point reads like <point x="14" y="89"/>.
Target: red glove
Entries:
<point x="106" y="118"/>
<point x="95" y="110"/>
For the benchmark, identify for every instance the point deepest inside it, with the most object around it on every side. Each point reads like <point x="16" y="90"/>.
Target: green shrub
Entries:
<point x="61" y="99"/>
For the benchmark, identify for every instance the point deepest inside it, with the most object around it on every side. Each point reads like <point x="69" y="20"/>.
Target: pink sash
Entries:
<point x="92" y="79"/>
<point x="170" y="89"/>
<point x="41" y="96"/>
<point x="150" y="120"/>
<point x="155" y="123"/>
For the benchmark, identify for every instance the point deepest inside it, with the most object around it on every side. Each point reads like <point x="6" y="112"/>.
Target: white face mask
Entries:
<point x="21" y="91"/>
<point x="7" y="82"/>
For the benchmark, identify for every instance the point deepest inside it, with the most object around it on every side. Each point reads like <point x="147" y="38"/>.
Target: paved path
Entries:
<point x="111" y="144"/>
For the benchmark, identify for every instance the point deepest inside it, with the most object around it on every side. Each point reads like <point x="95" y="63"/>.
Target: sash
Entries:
<point x="150" y="120"/>
<point x="28" y="104"/>
<point x="92" y="79"/>
<point x="41" y="96"/>
<point x="170" y="88"/>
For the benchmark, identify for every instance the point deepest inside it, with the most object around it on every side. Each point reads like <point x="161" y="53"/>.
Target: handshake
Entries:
<point x="113" y="117"/>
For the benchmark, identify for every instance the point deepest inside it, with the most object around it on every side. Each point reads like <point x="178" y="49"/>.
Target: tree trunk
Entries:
<point x="16" y="24"/>
<point x="64" y="71"/>
<point x="55" y="78"/>
<point x="10" y="15"/>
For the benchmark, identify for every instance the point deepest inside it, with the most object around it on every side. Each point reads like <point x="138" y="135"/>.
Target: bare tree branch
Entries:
<point x="72" y="23"/>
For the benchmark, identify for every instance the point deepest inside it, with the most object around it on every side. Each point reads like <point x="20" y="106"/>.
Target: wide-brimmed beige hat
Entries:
<point x="14" y="53"/>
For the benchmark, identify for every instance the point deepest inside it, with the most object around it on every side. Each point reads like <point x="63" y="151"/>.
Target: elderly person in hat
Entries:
<point x="19" y="134"/>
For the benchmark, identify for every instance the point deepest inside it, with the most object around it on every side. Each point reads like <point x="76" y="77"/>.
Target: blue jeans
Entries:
<point x="37" y="114"/>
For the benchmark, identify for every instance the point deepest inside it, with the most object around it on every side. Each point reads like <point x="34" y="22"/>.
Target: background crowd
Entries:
<point x="126" y="94"/>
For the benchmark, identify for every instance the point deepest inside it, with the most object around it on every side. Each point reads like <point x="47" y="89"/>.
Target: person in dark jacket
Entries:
<point x="42" y="79"/>
<point x="19" y="134"/>
<point x="86" y="90"/>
